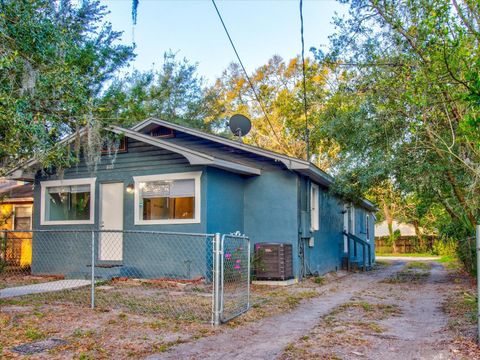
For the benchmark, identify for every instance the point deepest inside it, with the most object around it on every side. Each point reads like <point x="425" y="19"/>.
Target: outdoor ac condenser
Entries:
<point x="273" y="261"/>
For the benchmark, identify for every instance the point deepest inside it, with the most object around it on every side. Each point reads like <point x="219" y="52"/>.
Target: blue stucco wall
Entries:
<point x="143" y="256"/>
<point x="325" y="255"/>
<point x="224" y="201"/>
<point x="271" y="209"/>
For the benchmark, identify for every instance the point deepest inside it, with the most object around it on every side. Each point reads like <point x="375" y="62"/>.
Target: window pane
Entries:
<point x="22" y="223"/>
<point x="155" y="208"/>
<point x="23" y="211"/>
<point x="184" y="208"/>
<point x="68" y="203"/>
<point x="164" y="200"/>
<point x="168" y="208"/>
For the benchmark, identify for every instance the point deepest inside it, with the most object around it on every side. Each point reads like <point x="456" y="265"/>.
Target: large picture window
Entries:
<point x="67" y="201"/>
<point x="167" y="198"/>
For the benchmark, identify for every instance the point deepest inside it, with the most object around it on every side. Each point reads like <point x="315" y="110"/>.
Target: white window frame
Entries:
<point x="346" y="214"/>
<point x="367" y="227"/>
<point x="162" y="177"/>
<point x="15" y="206"/>
<point x="352" y="218"/>
<point x="70" y="182"/>
<point x="314" y="207"/>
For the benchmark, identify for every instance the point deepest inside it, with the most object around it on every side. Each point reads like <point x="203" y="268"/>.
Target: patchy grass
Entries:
<point x="372" y="311"/>
<point x="451" y="263"/>
<point x="132" y="319"/>
<point x="346" y="330"/>
<point x="269" y="302"/>
<point x="461" y="308"/>
<point x="407" y="276"/>
<point x="405" y="255"/>
<point x="383" y="263"/>
<point x="33" y="334"/>
<point x="319" y="280"/>
<point x="419" y="265"/>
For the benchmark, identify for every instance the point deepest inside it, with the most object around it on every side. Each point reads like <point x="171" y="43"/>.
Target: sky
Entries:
<point x="192" y="29"/>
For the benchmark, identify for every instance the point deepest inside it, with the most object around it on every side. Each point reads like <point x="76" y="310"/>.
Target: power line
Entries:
<point x="246" y="74"/>
<point x="307" y="131"/>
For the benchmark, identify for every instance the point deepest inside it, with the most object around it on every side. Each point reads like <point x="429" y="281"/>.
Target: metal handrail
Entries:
<point x="365" y="245"/>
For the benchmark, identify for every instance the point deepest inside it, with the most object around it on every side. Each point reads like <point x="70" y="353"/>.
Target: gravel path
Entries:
<point x="266" y="339"/>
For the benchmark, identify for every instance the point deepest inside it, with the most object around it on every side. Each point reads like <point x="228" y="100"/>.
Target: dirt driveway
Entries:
<point x="396" y="312"/>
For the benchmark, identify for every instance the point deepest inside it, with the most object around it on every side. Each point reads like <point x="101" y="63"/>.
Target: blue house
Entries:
<point x="168" y="177"/>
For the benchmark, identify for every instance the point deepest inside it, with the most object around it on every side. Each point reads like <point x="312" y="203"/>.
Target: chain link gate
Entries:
<point x="231" y="276"/>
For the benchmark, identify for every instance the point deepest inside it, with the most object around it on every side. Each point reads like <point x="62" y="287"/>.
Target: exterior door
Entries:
<point x="111" y="218"/>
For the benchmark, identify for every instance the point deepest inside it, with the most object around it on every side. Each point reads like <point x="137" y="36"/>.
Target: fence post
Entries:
<point x="477" y="248"/>
<point x="92" y="285"/>
<point x="216" y="279"/>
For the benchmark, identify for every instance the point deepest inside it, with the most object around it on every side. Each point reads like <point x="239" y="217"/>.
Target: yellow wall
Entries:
<point x="6" y="223"/>
<point x="5" y="216"/>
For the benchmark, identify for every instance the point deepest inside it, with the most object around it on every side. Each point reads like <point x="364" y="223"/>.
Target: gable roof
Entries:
<point x="201" y="148"/>
<point x="22" y="192"/>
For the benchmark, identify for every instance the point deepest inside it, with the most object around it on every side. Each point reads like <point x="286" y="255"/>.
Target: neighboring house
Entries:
<point x="407" y="230"/>
<point x="167" y="177"/>
<point x="407" y="241"/>
<point x="16" y="206"/>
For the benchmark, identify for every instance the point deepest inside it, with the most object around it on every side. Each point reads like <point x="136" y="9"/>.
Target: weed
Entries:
<point x="320" y="280"/>
<point x="84" y="356"/>
<point x="166" y="346"/>
<point x="419" y="265"/>
<point x="155" y="325"/>
<point x="34" y="334"/>
<point x="407" y="276"/>
<point x="122" y="316"/>
<point x="305" y="338"/>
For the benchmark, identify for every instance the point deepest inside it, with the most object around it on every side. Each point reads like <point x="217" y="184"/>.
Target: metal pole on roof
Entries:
<point x="478" y="282"/>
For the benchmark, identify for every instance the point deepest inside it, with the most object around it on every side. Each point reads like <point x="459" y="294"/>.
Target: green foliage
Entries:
<point x="174" y="93"/>
<point x="280" y="87"/>
<point x="55" y="59"/>
<point x="404" y="107"/>
<point x="445" y="247"/>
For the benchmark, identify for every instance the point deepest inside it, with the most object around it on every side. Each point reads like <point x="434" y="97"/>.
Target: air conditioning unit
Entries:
<point x="273" y="261"/>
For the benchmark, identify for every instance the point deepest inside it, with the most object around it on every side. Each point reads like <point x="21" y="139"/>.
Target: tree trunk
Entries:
<point x="419" y="235"/>
<point x="389" y="218"/>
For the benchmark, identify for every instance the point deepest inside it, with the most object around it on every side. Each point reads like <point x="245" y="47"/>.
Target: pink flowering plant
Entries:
<point x="236" y="263"/>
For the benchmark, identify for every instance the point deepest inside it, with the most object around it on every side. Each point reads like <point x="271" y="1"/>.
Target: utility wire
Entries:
<point x="246" y="74"/>
<point x="307" y="131"/>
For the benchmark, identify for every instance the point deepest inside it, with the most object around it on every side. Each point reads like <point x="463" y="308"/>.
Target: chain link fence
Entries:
<point x="141" y="272"/>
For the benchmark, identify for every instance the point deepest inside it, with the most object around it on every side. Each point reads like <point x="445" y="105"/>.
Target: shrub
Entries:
<point x="445" y="247"/>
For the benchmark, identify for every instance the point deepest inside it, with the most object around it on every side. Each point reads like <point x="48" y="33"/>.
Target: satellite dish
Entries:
<point x="240" y="125"/>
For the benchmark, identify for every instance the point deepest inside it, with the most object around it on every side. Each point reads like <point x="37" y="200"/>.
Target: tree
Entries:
<point x="55" y="59"/>
<point x="174" y="93"/>
<point x="405" y="103"/>
<point x="279" y="84"/>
